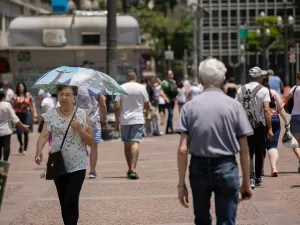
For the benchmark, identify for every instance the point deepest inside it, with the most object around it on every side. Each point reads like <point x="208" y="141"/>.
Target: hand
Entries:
<point x="25" y="128"/>
<point x="287" y="126"/>
<point x="246" y="191"/>
<point x="38" y="158"/>
<point x="183" y="196"/>
<point x="167" y="100"/>
<point x="117" y="126"/>
<point x="76" y="125"/>
<point x="104" y="123"/>
<point x="270" y="135"/>
<point x="35" y="118"/>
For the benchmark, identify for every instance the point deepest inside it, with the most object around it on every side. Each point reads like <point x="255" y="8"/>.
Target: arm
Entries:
<point x="268" y="116"/>
<point x="117" y="111"/>
<point x="42" y="140"/>
<point x="103" y="109"/>
<point x="16" y="120"/>
<point x="162" y="94"/>
<point x="147" y="108"/>
<point x="182" y="159"/>
<point x="87" y="134"/>
<point x="244" y="159"/>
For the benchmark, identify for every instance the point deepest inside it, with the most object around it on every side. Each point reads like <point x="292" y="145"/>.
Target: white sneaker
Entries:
<point x="252" y="183"/>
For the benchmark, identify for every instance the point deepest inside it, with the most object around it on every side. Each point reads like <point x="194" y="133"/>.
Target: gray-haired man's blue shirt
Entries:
<point x="214" y="122"/>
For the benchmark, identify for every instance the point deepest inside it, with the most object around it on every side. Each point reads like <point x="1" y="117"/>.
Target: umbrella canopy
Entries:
<point x="88" y="81"/>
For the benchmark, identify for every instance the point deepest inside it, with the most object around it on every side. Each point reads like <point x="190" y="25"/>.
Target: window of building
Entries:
<point x="90" y="39"/>
<point x="233" y="13"/>
<point x="271" y="12"/>
<point x="206" y="37"/>
<point x="215" y="37"/>
<point x="252" y="13"/>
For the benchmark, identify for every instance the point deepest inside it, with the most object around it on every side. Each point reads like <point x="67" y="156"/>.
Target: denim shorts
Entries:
<point x="276" y="132"/>
<point x="132" y="133"/>
<point x="295" y="124"/>
<point x="97" y="136"/>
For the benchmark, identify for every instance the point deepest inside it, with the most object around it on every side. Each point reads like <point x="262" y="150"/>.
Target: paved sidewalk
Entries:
<point x="112" y="199"/>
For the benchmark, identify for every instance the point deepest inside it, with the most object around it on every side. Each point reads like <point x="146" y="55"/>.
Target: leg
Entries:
<point x="20" y="131"/>
<point x="251" y="141"/>
<point x="94" y="152"/>
<point x="1" y="146"/>
<point x="127" y="151"/>
<point x="170" y="108"/>
<point x="260" y="148"/>
<point x="273" y="157"/>
<point x="134" y="155"/>
<point x="227" y="188"/>
<point x="26" y="139"/>
<point x="71" y="201"/>
<point x="201" y="192"/>
<point x="6" y="147"/>
<point x="61" y="187"/>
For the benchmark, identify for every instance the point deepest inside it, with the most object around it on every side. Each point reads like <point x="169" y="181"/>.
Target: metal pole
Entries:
<point x="293" y="74"/>
<point x="263" y="45"/>
<point x="185" y="63"/>
<point x="297" y="57"/>
<point x="111" y="45"/>
<point x="195" y="57"/>
<point x="200" y="20"/>
<point x="286" y="61"/>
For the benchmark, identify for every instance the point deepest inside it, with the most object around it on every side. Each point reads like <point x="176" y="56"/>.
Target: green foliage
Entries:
<point x="255" y="43"/>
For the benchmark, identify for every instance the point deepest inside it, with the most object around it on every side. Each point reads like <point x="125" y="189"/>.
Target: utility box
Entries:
<point x="59" y="6"/>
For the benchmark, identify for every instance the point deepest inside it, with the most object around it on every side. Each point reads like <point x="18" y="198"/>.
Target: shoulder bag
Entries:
<point x="55" y="164"/>
<point x="288" y="107"/>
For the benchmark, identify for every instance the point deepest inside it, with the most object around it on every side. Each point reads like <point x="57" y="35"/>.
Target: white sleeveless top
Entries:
<point x="74" y="149"/>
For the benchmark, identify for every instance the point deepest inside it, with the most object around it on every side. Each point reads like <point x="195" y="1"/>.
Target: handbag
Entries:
<point x="41" y="126"/>
<point x="289" y="141"/>
<point x="55" y="164"/>
<point x="288" y="107"/>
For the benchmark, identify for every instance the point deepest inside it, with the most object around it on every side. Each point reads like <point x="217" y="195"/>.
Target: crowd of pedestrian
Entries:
<point x="218" y="119"/>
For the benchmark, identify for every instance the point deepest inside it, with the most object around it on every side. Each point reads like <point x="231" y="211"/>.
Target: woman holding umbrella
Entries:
<point x="73" y="150"/>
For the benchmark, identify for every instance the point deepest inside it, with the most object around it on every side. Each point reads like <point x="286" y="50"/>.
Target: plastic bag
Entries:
<point x="289" y="141"/>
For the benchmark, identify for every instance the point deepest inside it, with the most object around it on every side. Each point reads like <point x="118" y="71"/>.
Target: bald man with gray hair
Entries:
<point x="216" y="127"/>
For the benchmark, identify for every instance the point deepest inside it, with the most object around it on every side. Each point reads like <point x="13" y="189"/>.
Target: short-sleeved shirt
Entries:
<point x="165" y="87"/>
<point x="22" y="104"/>
<point x="91" y="105"/>
<point x="132" y="105"/>
<point x="278" y="103"/>
<point x="214" y="122"/>
<point x="263" y="95"/>
<point x="9" y="94"/>
<point x="296" y="108"/>
<point x="275" y="83"/>
<point x="74" y="148"/>
<point x="7" y="115"/>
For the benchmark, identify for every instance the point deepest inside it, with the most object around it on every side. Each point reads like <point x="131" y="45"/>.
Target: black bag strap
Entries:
<point x="63" y="141"/>
<point x="294" y="91"/>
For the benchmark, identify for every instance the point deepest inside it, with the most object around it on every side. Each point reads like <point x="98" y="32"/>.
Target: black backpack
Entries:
<point x="248" y="103"/>
<point x="173" y="90"/>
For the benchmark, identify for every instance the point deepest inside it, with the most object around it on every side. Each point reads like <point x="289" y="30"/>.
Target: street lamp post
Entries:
<point x="288" y="21"/>
<point x="263" y="33"/>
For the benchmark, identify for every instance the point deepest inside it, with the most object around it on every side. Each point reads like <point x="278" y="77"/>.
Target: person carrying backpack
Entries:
<point x="255" y="99"/>
<point x="170" y="89"/>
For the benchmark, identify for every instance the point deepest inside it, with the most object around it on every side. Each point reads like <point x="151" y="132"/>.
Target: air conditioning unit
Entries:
<point x="54" y="37"/>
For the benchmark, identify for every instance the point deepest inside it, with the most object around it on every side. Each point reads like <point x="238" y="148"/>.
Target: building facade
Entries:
<point x="219" y="30"/>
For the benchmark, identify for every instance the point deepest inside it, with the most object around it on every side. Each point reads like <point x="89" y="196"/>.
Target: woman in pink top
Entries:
<point x="276" y="106"/>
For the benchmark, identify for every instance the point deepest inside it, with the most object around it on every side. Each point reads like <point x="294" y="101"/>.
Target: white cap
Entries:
<point x="257" y="72"/>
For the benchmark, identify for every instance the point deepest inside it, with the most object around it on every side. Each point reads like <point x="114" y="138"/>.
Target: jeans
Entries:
<point x="170" y="108"/>
<point x="27" y="120"/>
<point x="218" y="175"/>
<point x="5" y="145"/>
<point x="257" y="147"/>
<point x="68" y="189"/>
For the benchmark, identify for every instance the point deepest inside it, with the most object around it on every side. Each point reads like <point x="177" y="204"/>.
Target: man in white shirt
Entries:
<point x="259" y="115"/>
<point x="7" y="114"/>
<point x="129" y="113"/>
<point x="8" y="91"/>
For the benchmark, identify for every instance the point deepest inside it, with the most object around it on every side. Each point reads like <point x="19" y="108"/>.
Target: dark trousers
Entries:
<point x="257" y="147"/>
<point x="68" y="189"/>
<point x="170" y="108"/>
<point x="218" y="175"/>
<point x="5" y="147"/>
<point x="27" y="120"/>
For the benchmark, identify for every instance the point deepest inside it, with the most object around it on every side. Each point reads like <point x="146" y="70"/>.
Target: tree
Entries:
<point x="254" y="42"/>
